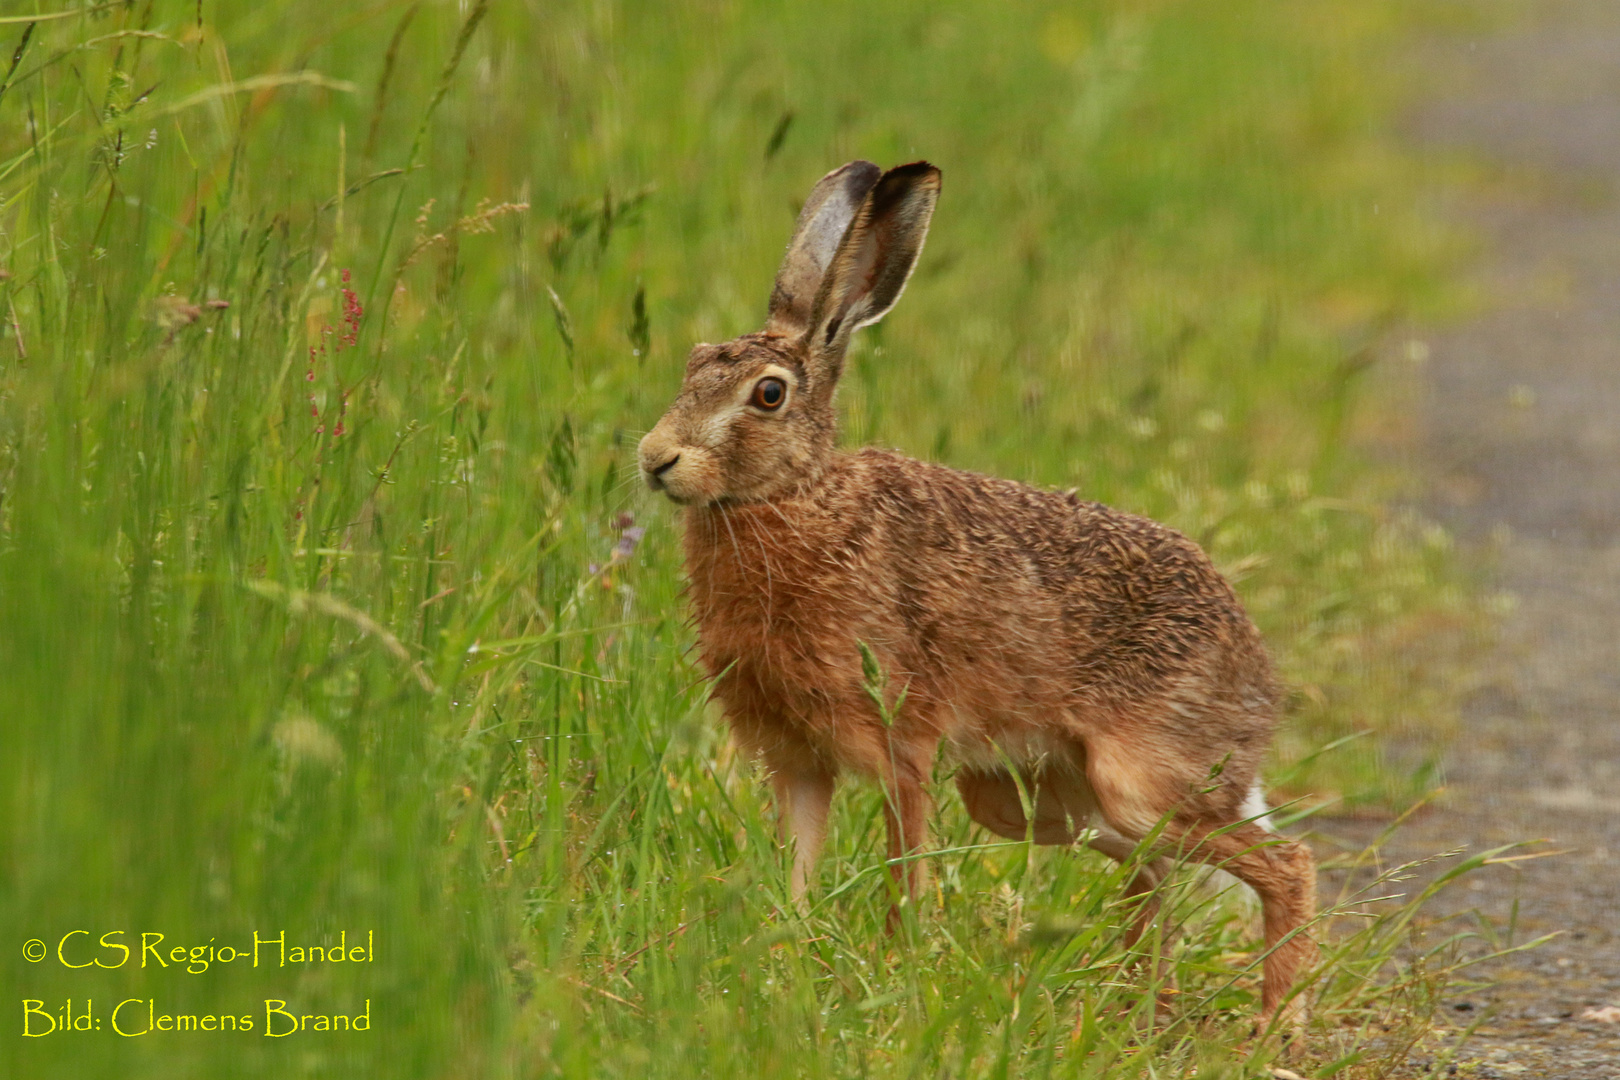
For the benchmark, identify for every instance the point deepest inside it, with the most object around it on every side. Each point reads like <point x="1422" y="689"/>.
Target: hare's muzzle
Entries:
<point x="663" y="461"/>
<point x="655" y="473"/>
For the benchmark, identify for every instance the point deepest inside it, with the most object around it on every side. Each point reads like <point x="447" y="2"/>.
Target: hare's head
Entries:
<point x="754" y="419"/>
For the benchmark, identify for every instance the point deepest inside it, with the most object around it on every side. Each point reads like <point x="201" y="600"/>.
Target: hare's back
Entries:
<point x="1137" y="608"/>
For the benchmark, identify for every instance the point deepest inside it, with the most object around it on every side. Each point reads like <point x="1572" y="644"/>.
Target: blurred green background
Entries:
<point x="326" y="335"/>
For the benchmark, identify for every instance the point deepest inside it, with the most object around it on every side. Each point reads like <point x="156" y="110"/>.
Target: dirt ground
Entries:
<point x="1521" y="446"/>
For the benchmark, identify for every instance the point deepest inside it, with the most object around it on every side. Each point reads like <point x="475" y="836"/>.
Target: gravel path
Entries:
<point x="1521" y="442"/>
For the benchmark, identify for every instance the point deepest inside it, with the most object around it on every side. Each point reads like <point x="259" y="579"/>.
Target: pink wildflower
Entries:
<point x="353" y="312"/>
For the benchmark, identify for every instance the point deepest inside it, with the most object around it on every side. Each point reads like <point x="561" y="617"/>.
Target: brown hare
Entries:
<point x="1098" y="653"/>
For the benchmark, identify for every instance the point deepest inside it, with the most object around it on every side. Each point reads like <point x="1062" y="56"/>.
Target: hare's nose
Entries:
<point x="658" y="471"/>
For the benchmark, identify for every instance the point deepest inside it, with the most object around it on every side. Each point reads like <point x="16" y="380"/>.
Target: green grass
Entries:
<point x="258" y="675"/>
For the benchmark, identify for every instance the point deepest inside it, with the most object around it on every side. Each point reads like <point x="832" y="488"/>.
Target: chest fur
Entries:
<point x="757" y="577"/>
<point x="779" y="601"/>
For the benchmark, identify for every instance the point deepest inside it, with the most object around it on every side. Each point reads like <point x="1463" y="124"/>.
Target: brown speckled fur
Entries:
<point x="1097" y="652"/>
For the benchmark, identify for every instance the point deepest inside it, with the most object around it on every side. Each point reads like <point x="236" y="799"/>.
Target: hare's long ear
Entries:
<point x="823" y="220"/>
<point x="873" y="262"/>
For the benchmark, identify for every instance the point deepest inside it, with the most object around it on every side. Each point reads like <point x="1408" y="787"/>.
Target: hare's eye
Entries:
<point x="769" y="394"/>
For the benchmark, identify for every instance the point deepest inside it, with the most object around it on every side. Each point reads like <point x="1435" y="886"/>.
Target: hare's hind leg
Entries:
<point x="1144" y="884"/>
<point x="1137" y="786"/>
<point x="1063" y="805"/>
<point x="1283" y="874"/>
<point x="1120" y="848"/>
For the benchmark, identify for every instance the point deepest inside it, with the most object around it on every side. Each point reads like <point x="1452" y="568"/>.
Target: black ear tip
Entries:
<point x="914" y="171"/>
<point x="918" y="178"/>
<point x="859" y="177"/>
<point x="912" y="178"/>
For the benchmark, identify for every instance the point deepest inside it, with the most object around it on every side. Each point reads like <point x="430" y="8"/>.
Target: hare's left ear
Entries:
<point x="823" y="220"/>
<point x="874" y="260"/>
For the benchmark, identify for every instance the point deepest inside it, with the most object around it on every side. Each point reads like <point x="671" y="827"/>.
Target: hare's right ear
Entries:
<point x="873" y="262"/>
<point x="825" y="217"/>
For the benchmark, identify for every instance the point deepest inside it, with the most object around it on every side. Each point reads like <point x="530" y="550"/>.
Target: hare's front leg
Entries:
<point x="906" y="805"/>
<point x="804" y="794"/>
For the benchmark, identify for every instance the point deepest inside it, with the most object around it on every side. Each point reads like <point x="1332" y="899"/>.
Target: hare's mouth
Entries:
<point x="674" y="479"/>
<point x="685" y="473"/>
<point x="655" y="475"/>
<point x="659" y="475"/>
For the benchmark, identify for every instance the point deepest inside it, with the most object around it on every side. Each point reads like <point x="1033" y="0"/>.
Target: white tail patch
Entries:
<point x="1255" y="807"/>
